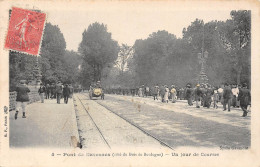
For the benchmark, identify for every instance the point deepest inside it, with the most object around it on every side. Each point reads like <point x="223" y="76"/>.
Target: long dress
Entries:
<point x="166" y="95"/>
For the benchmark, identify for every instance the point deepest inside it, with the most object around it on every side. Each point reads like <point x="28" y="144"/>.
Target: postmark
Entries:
<point x="25" y="31"/>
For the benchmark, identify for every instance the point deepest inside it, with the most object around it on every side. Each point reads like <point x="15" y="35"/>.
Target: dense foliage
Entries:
<point x="160" y="59"/>
<point x="99" y="52"/>
<point x="164" y="59"/>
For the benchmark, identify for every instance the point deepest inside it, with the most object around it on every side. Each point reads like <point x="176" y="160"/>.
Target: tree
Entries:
<point x="98" y="50"/>
<point x="236" y="37"/>
<point x="151" y="57"/>
<point x="51" y="59"/>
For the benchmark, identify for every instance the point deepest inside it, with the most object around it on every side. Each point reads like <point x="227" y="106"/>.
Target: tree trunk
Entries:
<point x="239" y="71"/>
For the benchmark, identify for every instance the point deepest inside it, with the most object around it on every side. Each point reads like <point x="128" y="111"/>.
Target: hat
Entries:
<point x="244" y="85"/>
<point x="198" y="85"/>
<point x="22" y="81"/>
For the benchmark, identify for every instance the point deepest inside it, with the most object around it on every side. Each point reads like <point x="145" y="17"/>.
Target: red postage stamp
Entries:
<point x="25" y="31"/>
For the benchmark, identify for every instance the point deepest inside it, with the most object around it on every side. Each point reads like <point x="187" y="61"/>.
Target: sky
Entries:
<point x="128" y="25"/>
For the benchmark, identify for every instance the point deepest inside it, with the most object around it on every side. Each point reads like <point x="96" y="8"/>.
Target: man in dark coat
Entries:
<point x="58" y="90"/>
<point x="71" y="90"/>
<point x="227" y="96"/>
<point x="22" y="98"/>
<point x="244" y="97"/>
<point x="66" y="93"/>
<point x="198" y="95"/>
<point x="47" y="91"/>
<point x="188" y="94"/>
<point x="41" y="92"/>
<point x="162" y="92"/>
<point x="209" y="93"/>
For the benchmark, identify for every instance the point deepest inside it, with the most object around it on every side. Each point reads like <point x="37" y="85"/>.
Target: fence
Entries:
<point x="33" y="96"/>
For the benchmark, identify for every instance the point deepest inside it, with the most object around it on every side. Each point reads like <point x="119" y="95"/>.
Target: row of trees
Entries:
<point x="164" y="59"/>
<point x="160" y="59"/>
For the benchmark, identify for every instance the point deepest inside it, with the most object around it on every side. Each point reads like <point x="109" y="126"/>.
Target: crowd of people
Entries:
<point x="56" y="91"/>
<point x="204" y="95"/>
<point x="49" y="91"/>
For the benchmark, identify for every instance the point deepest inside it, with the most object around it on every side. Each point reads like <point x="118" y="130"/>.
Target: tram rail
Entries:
<point x="133" y="124"/>
<point x="100" y="132"/>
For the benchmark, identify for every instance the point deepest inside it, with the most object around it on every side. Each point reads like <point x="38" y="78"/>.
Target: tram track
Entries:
<point x="94" y="123"/>
<point x="133" y="124"/>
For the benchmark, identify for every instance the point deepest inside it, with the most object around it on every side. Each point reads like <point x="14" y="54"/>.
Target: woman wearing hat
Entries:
<point x="22" y="98"/>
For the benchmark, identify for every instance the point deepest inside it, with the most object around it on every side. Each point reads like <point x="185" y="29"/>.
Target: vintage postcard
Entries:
<point x="129" y="83"/>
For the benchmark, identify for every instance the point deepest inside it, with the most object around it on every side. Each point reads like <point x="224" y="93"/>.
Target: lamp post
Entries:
<point x="203" y="78"/>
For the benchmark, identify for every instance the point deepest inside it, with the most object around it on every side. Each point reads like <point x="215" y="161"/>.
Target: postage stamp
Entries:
<point x="25" y="31"/>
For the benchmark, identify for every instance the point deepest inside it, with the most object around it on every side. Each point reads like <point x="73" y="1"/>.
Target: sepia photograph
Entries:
<point x="152" y="79"/>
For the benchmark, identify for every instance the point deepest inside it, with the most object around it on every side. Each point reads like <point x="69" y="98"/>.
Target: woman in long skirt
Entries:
<point x="166" y="95"/>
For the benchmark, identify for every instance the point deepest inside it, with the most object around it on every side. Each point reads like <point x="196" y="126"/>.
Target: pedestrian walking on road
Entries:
<point x="147" y="91"/>
<point x="22" y="98"/>
<point x="173" y="94"/>
<point x="58" y="89"/>
<point x="162" y="92"/>
<point x="47" y="91"/>
<point x="209" y="93"/>
<point x="215" y="98"/>
<point x="220" y="94"/>
<point x="155" y="91"/>
<point x="188" y="94"/>
<point x="244" y="97"/>
<point x="227" y="96"/>
<point x="71" y="90"/>
<point x="52" y="91"/>
<point x="166" y="94"/>
<point x="235" y="92"/>
<point x="198" y="95"/>
<point x="66" y="93"/>
<point x="41" y="92"/>
<point x="140" y="92"/>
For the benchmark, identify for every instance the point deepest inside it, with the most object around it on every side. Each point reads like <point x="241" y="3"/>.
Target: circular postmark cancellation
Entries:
<point x="25" y="31"/>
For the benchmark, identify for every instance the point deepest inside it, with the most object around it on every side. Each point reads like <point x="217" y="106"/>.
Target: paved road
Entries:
<point x="47" y="125"/>
<point x="181" y="125"/>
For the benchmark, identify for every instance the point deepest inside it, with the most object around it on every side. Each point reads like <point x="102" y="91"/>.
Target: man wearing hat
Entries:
<point x="22" y="98"/>
<point x="66" y="93"/>
<point x="244" y="97"/>
<point x="41" y="92"/>
<point x="198" y="95"/>
<point x="227" y="96"/>
<point x="162" y="93"/>
<point x="58" y="91"/>
<point x="155" y="91"/>
<point x="188" y="94"/>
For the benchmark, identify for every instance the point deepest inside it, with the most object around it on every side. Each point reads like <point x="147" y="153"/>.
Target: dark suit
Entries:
<point x="59" y="92"/>
<point x="227" y="96"/>
<point x="244" y="97"/>
<point x="66" y="94"/>
<point x="189" y="96"/>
